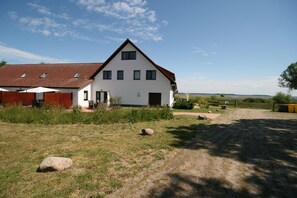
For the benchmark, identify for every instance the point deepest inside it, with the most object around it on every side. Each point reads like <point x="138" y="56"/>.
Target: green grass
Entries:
<point x="54" y="115"/>
<point x="104" y="156"/>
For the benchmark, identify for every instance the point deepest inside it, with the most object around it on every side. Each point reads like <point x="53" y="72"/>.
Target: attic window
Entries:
<point x="129" y="55"/>
<point x="77" y="75"/>
<point x="43" y="75"/>
<point x="24" y="75"/>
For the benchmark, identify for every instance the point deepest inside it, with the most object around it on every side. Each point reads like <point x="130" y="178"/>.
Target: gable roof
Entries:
<point x="168" y="74"/>
<point x="57" y="75"/>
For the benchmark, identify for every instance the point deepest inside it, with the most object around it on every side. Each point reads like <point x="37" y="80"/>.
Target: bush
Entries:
<point x="51" y="115"/>
<point x="255" y="100"/>
<point x="182" y="103"/>
<point x="115" y="101"/>
<point x="203" y="103"/>
<point x="143" y="114"/>
<point x="282" y="98"/>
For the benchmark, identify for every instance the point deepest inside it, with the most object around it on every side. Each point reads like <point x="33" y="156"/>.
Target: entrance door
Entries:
<point x="101" y="96"/>
<point x="155" y="99"/>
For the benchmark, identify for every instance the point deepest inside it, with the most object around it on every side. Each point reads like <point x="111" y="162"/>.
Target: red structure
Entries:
<point x="58" y="99"/>
<point x="26" y="99"/>
<point x="12" y="98"/>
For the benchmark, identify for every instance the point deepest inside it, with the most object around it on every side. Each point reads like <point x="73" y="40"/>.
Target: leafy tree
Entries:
<point x="288" y="78"/>
<point x="282" y="98"/>
<point x="2" y="63"/>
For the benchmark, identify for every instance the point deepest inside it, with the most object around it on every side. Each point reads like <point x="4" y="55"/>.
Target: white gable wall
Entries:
<point x="133" y="92"/>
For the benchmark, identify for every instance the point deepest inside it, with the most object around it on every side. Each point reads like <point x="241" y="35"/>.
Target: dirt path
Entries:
<point x="243" y="153"/>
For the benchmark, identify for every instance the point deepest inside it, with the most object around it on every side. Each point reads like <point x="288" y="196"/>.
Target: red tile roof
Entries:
<point x="62" y="75"/>
<point x="58" y="75"/>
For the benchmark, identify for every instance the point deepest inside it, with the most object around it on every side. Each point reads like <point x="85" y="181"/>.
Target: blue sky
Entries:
<point x="213" y="46"/>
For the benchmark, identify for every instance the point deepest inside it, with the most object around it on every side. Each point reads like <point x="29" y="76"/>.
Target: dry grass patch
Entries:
<point x="104" y="156"/>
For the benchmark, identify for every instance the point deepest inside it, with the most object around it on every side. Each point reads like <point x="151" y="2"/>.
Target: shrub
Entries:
<point x="182" y="103"/>
<point x="115" y="101"/>
<point x="203" y="103"/>
<point x="255" y="100"/>
<point x="51" y="115"/>
<point x="282" y="98"/>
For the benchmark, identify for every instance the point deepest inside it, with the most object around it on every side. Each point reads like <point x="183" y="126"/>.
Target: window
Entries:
<point x="151" y="74"/>
<point x="43" y="75"/>
<point x="86" y="95"/>
<point x="107" y="75"/>
<point x="120" y="75"/>
<point x="77" y="75"/>
<point x="129" y="55"/>
<point x="136" y="75"/>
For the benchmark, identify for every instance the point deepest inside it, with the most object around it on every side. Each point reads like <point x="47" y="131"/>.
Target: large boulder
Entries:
<point x="54" y="164"/>
<point x="147" y="131"/>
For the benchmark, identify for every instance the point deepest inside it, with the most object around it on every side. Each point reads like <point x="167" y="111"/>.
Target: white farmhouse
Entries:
<point x="131" y="75"/>
<point x="128" y="74"/>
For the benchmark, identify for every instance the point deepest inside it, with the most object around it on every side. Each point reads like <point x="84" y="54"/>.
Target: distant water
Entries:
<point x="229" y="95"/>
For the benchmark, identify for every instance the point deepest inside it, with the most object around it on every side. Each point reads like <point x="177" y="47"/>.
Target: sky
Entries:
<point x="212" y="46"/>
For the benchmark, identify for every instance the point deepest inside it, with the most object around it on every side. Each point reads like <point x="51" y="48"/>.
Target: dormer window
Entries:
<point x="77" y="75"/>
<point x="43" y="75"/>
<point x="129" y="55"/>
<point x="24" y="75"/>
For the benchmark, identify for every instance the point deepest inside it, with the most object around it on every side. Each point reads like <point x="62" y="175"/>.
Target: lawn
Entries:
<point x="104" y="156"/>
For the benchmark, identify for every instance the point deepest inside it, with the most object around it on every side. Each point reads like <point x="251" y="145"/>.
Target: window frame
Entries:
<point x="134" y="72"/>
<point x="122" y="74"/>
<point x="86" y="95"/>
<point x="151" y="74"/>
<point x="128" y="55"/>
<point x="106" y="75"/>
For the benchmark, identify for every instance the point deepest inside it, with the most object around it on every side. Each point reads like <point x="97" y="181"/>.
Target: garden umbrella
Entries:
<point x="1" y="89"/>
<point x="40" y="90"/>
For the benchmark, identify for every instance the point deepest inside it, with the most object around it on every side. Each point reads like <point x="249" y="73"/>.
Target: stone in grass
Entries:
<point x="54" y="164"/>
<point x="147" y="131"/>
<point x="202" y="117"/>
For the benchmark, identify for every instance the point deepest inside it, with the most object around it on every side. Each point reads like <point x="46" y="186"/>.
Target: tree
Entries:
<point x="288" y="78"/>
<point x="2" y="63"/>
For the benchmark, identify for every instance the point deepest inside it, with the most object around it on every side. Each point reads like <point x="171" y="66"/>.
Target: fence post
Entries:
<point x="273" y="106"/>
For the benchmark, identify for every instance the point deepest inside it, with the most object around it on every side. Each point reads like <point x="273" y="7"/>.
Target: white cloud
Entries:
<point x="16" y="54"/>
<point x="165" y="23"/>
<point x="266" y="85"/>
<point x="128" y="18"/>
<point x="200" y="51"/>
<point x="79" y="22"/>
<point x="45" y="11"/>
<point x="12" y="15"/>
<point x="132" y="17"/>
<point x="45" y="26"/>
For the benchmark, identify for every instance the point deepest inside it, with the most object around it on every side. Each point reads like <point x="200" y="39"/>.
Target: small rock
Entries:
<point x="147" y="131"/>
<point x="54" y="164"/>
<point x="209" y="112"/>
<point x="202" y="117"/>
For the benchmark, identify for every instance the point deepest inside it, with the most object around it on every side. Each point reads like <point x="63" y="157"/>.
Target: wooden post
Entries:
<point x="273" y="106"/>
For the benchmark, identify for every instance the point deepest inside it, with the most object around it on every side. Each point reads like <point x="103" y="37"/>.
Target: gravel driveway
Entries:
<point x="242" y="153"/>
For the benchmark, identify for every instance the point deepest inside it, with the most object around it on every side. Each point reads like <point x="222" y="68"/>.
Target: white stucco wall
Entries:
<point x="78" y="95"/>
<point x="132" y="92"/>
